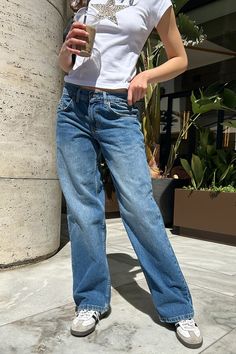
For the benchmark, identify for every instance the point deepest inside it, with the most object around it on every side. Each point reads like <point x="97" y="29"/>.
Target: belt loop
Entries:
<point x="90" y="95"/>
<point x="78" y="95"/>
<point x="105" y="98"/>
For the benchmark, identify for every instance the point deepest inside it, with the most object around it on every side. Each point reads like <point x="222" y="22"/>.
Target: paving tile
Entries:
<point x="120" y="244"/>
<point x="215" y="313"/>
<point x="124" y="272"/>
<point x="203" y="254"/>
<point x="118" y="236"/>
<point x="222" y="283"/>
<point x="226" y="344"/>
<point x="35" y="288"/>
<point x="133" y="327"/>
<point x="112" y="221"/>
<point x="36" y="302"/>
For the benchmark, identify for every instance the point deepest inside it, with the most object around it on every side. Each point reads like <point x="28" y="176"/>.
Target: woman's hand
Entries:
<point x="75" y="38"/>
<point x="137" y="88"/>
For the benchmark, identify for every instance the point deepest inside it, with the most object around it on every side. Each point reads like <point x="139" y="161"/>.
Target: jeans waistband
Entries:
<point x="80" y="92"/>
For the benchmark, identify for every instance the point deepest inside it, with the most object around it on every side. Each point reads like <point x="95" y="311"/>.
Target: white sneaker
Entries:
<point x="189" y="334"/>
<point x="85" y="322"/>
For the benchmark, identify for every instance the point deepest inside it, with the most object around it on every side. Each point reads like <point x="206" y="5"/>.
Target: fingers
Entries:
<point x="76" y="32"/>
<point x="78" y="24"/>
<point x="135" y="94"/>
<point x="76" y="38"/>
<point x="130" y="97"/>
<point x="138" y="94"/>
<point x="75" y="42"/>
<point x="73" y="50"/>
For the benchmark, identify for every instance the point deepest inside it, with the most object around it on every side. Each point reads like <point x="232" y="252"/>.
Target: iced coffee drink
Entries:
<point x="90" y="19"/>
<point x="87" y="50"/>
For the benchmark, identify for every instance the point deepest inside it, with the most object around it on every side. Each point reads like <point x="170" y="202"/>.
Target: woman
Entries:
<point x="97" y="115"/>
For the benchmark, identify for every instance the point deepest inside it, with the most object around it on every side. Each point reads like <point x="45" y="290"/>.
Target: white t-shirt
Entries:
<point x="117" y="45"/>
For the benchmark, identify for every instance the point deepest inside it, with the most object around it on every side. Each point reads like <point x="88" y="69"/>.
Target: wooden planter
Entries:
<point x="163" y="192"/>
<point x="205" y="214"/>
<point x="111" y="203"/>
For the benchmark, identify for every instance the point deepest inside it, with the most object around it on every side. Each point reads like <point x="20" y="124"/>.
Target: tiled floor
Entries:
<point x="36" y="305"/>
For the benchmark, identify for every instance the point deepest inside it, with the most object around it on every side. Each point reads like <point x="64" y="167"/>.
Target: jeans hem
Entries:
<point x="93" y="308"/>
<point x="176" y="319"/>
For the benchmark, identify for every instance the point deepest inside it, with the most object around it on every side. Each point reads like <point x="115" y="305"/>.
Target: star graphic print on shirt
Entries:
<point x="109" y="10"/>
<point x="123" y="29"/>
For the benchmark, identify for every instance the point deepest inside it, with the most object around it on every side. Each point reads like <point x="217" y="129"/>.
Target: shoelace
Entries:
<point x="187" y="325"/>
<point x="86" y="314"/>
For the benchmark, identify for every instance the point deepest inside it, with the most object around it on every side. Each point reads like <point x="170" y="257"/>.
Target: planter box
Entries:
<point x="205" y="214"/>
<point x="111" y="203"/>
<point x="163" y="192"/>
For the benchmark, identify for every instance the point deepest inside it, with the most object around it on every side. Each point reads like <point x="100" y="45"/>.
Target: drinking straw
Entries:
<point x="86" y="10"/>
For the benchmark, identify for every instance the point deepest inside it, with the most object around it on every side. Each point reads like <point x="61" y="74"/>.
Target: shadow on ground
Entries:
<point x="131" y="291"/>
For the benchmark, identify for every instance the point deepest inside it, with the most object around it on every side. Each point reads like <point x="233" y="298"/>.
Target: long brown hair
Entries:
<point x="75" y="5"/>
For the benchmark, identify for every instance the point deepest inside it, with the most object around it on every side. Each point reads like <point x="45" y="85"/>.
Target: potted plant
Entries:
<point x="153" y="54"/>
<point x="207" y="208"/>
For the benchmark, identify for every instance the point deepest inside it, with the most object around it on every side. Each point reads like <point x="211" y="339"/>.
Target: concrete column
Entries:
<point x="30" y="87"/>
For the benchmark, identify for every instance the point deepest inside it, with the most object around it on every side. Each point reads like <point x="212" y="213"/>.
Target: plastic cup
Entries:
<point x="90" y="19"/>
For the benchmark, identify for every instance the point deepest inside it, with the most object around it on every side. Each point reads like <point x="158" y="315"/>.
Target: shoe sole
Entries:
<point x="91" y="330"/>
<point x="189" y="345"/>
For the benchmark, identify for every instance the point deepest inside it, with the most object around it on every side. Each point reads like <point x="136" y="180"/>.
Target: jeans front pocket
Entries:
<point x="120" y="108"/>
<point x="65" y="101"/>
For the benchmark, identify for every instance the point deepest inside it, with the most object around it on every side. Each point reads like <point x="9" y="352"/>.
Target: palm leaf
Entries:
<point x="198" y="171"/>
<point x="191" y="33"/>
<point x="230" y="123"/>
<point x="229" y="98"/>
<point x="189" y="171"/>
<point x="205" y="104"/>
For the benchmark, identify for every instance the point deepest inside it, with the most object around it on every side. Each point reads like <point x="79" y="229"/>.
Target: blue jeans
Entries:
<point x="90" y="123"/>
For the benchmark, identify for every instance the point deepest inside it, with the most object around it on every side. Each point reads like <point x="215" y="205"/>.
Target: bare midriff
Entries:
<point x="91" y="88"/>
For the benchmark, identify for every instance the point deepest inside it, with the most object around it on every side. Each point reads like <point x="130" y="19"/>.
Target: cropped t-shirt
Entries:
<point x="123" y="28"/>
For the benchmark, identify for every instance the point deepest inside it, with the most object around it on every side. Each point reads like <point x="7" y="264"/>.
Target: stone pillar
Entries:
<point x="30" y="87"/>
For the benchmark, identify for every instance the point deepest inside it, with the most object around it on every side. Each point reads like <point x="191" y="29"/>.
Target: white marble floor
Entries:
<point x="36" y="305"/>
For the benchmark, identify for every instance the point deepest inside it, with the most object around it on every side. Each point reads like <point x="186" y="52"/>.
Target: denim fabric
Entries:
<point x="89" y="123"/>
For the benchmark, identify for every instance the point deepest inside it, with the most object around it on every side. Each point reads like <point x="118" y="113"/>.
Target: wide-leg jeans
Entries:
<point x="90" y="123"/>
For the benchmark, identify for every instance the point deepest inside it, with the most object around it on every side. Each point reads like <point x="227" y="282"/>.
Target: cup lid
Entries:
<point x="87" y="15"/>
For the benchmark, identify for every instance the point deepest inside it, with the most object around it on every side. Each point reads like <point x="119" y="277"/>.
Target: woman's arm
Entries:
<point x="177" y="59"/>
<point x="65" y="56"/>
<point x="65" y="59"/>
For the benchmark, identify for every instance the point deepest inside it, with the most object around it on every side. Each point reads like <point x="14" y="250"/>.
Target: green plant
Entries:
<point x="226" y="189"/>
<point x="196" y="170"/>
<point x="153" y="54"/>
<point x="211" y="167"/>
<point x="216" y="97"/>
<point x="230" y="123"/>
<point x="216" y="167"/>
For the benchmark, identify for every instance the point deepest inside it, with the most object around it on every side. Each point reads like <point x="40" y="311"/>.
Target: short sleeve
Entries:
<point x="160" y="7"/>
